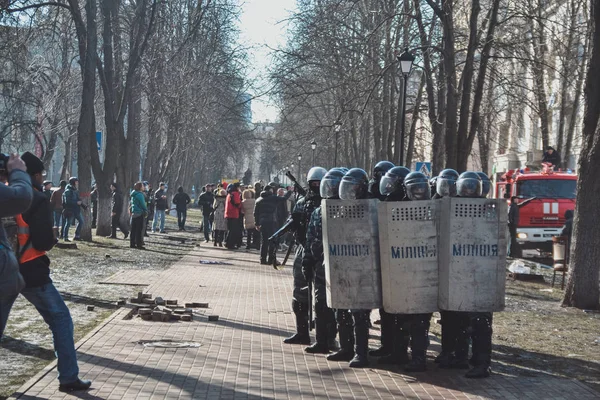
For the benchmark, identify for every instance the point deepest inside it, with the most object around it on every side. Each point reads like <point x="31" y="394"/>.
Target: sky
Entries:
<point x="263" y="26"/>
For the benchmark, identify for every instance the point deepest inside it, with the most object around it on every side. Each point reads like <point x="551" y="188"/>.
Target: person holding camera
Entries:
<point x="35" y="237"/>
<point x="71" y="209"/>
<point x="14" y="199"/>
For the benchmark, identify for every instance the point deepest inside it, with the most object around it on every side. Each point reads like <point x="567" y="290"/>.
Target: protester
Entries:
<point x="57" y="208"/>
<point x="48" y="189"/>
<point x="205" y="201"/>
<point x="15" y="198"/>
<point x="220" y="223"/>
<point x="35" y="239"/>
<point x="161" y="206"/>
<point x="232" y="214"/>
<point x="253" y="236"/>
<point x="116" y="211"/>
<point x="150" y="204"/>
<point x="138" y="210"/>
<point x="94" y="202"/>
<point x="71" y="209"/>
<point x="181" y="201"/>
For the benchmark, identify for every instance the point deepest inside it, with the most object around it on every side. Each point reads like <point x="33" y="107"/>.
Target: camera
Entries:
<point x="3" y="162"/>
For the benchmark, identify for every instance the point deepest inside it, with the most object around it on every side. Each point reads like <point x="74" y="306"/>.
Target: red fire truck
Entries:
<point x="543" y="217"/>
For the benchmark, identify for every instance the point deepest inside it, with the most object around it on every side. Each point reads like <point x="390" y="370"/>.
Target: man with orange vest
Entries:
<point x="35" y="237"/>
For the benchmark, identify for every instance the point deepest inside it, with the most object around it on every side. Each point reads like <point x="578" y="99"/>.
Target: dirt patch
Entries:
<point x="27" y="347"/>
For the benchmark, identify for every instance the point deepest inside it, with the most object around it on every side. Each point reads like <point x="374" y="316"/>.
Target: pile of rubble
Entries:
<point x="161" y="310"/>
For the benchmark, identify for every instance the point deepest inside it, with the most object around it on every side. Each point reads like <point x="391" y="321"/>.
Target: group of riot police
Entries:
<point x="398" y="331"/>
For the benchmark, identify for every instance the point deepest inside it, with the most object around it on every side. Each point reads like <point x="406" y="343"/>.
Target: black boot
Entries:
<point x="301" y="336"/>
<point x="400" y="339"/>
<point x="481" y="325"/>
<point x="346" y="352"/>
<point x="361" y="335"/>
<point x="321" y="345"/>
<point x="419" y="332"/>
<point x="461" y="352"/>
<point x="331" y="329"/>
<point x="387" y="322"/>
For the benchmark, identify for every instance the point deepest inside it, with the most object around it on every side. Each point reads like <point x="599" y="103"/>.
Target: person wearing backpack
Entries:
<point x="15" y="197"/>
<point x="35" y="237"/>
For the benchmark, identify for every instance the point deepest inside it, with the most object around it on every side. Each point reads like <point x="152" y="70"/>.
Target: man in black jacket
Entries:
<point x="206" y="200"/>
<point x="35" y="239"/>
<point x="265" y="215"/>
<point x="117" y="209"/>
<point x="181" y="201"/>
<point x="551" y="156"/>
<point x="160" y="201"/>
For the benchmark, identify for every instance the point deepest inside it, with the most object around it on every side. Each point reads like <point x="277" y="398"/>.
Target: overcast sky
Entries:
<point x="263" y="26"/>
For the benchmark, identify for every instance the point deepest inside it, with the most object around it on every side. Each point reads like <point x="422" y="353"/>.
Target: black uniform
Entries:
<point x="265" y="216"/>
<point x="313" y="268"/>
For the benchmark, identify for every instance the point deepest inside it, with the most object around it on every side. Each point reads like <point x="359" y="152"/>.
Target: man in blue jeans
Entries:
<point x="160" y="199"/>
<point x="72" y="212"/>
<point x="35" y="238"/>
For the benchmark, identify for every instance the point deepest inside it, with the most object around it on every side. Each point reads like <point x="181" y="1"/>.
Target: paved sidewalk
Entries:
<point x="242" y="355"/>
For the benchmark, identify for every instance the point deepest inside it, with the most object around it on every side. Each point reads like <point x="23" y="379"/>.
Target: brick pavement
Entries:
<point x="242" y="355"/>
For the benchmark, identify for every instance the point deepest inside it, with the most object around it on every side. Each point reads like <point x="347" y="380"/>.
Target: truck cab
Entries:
<point x="542" y="218"/>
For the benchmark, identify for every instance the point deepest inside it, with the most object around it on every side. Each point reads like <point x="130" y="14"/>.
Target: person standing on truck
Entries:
<point x="551" y="156"/>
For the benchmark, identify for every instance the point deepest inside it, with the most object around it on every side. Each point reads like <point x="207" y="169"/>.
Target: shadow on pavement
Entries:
<point x="27" y="349"/>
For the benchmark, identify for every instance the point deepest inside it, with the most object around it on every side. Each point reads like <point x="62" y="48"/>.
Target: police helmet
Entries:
<point x="72" y="180"/>
<point x="354" y="184"/>
<point x="445" y="184"/>
<point x="330" y="184"/>
<point x="315" y="174"/>
<point x="47" y="183"/>
<point x="468" y="185"/>
<point x="381" y="168"/>
<point x="417" y="186"/>
<point x="486" y="185"/>
<point x="274" y="185"/>
<point x="393" y="180"/>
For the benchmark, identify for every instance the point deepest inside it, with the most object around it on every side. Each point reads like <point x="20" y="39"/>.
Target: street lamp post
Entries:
<point x="313" y="146"/>
<point x="299" y="166"/>
<point x="406" y="61"/>
<point x="337" y="126"/>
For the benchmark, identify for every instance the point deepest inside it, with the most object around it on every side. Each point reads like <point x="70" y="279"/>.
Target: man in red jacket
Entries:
<point x="233" y="204"/>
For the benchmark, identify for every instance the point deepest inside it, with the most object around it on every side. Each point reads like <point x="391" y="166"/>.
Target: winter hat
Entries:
<point x="33" y="163"/>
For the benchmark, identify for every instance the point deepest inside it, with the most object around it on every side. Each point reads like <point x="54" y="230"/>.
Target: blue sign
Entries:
<point x="424" y="168"/>
<point x="99" y="140"/>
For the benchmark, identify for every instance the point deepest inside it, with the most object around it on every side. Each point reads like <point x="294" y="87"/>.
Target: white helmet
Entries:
<point x="316" y="174"/>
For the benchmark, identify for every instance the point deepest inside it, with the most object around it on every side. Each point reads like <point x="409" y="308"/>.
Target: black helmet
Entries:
<point x="330" y="184"/>
<point x="354" y="185"/>
<point x="468" y="185"/>
<point x="381" y="168"/>
<point x="72" y="180"/>
<point x="274" y="185"/>
<point x="315" y="174"/>
<point x="445" y="184"/>
<point x="486" y="184"/>
<point x="393" y="180"/>
<point x="417" y="186"/>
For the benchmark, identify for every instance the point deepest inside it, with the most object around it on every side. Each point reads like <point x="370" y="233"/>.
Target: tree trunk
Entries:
<point x="413" y="125"/>
<point x="582" y="287"/>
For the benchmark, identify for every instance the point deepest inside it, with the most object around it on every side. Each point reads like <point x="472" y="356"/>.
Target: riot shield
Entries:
<point x="409" y="257"/>
<point x="351" y="249"/>
<point x="472" y="254"/>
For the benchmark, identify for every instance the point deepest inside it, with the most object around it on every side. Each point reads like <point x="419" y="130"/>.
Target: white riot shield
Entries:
<point x="472" y="254"/>
<point x="409" y="257"/>
<point x="351" y="248"/>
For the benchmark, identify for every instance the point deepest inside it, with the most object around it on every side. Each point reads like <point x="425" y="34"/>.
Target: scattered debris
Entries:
<point x="213" y="317"/>
<point x="196" y="305"/>
<point x="213" y="262"/>
<point x="90" y="308"/>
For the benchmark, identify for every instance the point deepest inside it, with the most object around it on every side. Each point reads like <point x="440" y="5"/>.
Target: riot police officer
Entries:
<point x="446" y="187"/>
<point x="297" y="224"/>
<point x="395" y="334"/>
<point x="418" y="188"/>
<point x="469" y="184"/>
<point x="313" y="269"/>
<point x="354" y="186"/>
<point x="379" y="171"/>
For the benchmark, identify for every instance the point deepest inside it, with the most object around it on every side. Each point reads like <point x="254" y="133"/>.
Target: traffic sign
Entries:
<point x="423" y="167"/>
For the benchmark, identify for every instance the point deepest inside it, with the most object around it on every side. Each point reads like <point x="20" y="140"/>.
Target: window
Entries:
<point x="547" y="189"/>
